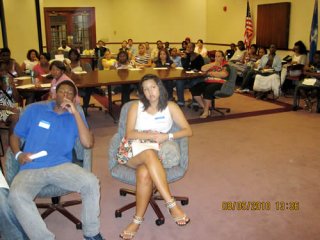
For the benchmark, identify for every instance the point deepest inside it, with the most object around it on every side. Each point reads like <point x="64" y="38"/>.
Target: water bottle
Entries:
<point x="32" y="77"/>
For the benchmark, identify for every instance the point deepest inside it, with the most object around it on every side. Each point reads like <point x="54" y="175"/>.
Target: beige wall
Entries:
<point x="144" y="20"/>
<point x="150" y="20"/>
<point x="21" y="26"/>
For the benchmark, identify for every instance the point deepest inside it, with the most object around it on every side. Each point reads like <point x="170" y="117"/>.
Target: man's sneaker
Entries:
<point x="96" y="237"/>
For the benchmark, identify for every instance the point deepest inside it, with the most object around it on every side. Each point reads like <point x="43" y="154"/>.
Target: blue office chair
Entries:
<point x="128" y="175"/>
<point x="81" y="156"/>
<point x="226" y="90"/>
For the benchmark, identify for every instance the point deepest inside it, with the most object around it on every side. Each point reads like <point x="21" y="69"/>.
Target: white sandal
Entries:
<point x="127" y="235"/>
<point x="180" y="220"/>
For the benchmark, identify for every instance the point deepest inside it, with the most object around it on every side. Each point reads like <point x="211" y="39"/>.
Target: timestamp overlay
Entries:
<point x="260" y="205"/>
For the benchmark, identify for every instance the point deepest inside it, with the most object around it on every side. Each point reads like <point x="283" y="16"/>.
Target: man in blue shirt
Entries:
<point x="53" y="128"/>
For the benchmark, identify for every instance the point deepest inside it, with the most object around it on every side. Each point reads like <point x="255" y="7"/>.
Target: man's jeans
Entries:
<point x="28" y="183"/>
<point x="10" y="228"/>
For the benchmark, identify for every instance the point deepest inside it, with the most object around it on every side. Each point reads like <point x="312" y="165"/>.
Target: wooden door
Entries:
<point x="75" y="25"/>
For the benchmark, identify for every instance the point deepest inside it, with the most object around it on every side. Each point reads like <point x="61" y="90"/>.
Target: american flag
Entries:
<point x="248" y="33"/>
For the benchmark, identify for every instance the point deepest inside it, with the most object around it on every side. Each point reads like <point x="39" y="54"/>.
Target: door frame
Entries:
<point x="71" y="10"/>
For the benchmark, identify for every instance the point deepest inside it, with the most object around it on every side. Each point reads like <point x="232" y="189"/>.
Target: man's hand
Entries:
<point x="23" y="158"/>
<point x="69" y="105"/>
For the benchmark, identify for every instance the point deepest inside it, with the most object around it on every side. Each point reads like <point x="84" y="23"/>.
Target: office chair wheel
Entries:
<point x="118" y="214"/>
<point x="79" y="226"/>
<point x="184" y="202"/>
<point x="159" y="221"/>
<point x="123" y="193"/>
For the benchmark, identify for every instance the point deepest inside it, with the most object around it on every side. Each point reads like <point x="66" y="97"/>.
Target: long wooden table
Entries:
<point x="121" y="76"/>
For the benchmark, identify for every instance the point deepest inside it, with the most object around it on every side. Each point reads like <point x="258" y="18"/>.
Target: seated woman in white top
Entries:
<point x="268" y="78"/>
<point x="74" y="65"/>
<point x="31" y="61"/>
<point x="201" y="49"/>
<point x="151" y="119"/>
<point x="299" y="57"/>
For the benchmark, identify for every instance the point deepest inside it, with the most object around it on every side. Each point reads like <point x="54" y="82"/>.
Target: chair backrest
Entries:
<point x="211" y="55"/>
<point x="87" y="67"/>
<point x="126" y="174"/>
<point x="81" y="156"/>
<point x="100" y="67"/>
<point x="227" y="88"/>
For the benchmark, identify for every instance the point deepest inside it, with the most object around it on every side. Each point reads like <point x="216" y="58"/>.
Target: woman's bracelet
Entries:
<point x="17" y="155"/>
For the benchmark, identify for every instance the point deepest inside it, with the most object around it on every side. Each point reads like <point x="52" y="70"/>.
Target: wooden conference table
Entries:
<point x="116" y="77"/>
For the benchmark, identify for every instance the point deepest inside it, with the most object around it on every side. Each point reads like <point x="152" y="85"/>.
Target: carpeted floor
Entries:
<point x="238" y="103"/>
<point x="267" y="158"/>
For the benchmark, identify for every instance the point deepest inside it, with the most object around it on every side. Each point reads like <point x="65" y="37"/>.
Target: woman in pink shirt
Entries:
<point x="57" y="69"/>
<point x="43" y="66"/>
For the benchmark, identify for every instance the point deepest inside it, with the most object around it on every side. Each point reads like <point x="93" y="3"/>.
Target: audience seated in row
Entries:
<point x="310" y="92"/>
<point x="217" y="73"/>
<point x="268" y="78"/>
<point x="299" y="57"/>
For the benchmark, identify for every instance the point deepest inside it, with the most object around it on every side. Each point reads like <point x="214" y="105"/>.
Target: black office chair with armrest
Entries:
<point x="87" y="92"/>
<point x="81" y="156"/>
<point x="226" y="90"/>
<point x="127" y="175"/>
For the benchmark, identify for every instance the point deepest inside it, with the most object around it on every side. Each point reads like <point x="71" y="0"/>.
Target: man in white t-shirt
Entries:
<point x="238" y="55"/>
<point x="64" y="46"/>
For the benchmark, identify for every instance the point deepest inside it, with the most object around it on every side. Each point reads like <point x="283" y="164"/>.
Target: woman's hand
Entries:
<point x="160" y="137"/>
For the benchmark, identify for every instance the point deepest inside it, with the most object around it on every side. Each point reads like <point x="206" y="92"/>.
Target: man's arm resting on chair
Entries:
<point x="15" y="147"/>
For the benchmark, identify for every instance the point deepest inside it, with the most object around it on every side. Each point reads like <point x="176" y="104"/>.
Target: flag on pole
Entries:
<point x="314" y="32"/>
<point x="248" y="34"/>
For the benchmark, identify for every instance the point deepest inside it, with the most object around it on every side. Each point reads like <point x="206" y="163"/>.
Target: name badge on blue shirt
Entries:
<point x="44" y="124"/>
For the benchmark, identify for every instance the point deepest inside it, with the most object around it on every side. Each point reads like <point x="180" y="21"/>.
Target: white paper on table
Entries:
<point x="59" y="57"/>
<point x="138" y="147"/>
<point x="80" y="72"/>
<point x="23" y="78"/>
<point x="160" y="68"/>
<point x="179" y="68"/>
<point x="45" y="75"/>
<point x="190" y="71"/>
<point x="3" y="182"/>
<point x="135" y="69"/>
<point x="309" y="81"/>
<point x="26" y="86"/>
<point x="45" y="85"/>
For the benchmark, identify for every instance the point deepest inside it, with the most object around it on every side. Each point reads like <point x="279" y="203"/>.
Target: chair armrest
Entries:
<point x="11" y="165"/>
<point x="184" y="152"/>
<point x="113" y="149"/>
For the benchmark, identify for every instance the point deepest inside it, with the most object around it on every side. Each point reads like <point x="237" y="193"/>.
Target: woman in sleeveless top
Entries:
<point x="151" y="119"/>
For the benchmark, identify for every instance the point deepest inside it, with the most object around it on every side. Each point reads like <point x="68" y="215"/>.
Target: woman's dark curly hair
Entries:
<point x="74" y="51"/>
<point x="163" y="95"/>
<point x="124" y="53"/>
<point x="31" y="51"/>
<point x="301" y="46"/>
<point x="59" y="65"/>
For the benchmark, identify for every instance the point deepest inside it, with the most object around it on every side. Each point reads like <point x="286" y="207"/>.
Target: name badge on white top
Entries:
<point x="44" y="124"/>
